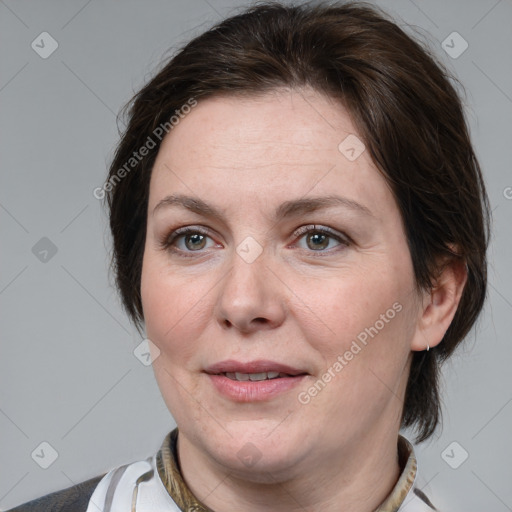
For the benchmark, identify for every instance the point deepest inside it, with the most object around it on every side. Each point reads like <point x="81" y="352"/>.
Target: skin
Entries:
<point x="302" y="302"/>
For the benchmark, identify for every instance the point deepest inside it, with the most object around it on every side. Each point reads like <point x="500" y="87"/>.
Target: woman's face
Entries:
<point x="274" y="276"/>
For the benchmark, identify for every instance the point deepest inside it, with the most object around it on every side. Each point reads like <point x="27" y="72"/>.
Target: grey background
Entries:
<point x="68" y="373"/>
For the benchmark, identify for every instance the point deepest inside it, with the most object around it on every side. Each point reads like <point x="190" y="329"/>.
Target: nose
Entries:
<point x="251" y="296"/>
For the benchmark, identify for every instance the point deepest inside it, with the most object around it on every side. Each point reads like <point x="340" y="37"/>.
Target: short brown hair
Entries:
<point x="408" y="114"/>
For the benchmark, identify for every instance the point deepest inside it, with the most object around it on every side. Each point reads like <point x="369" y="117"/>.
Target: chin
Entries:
<point x="257" y="454"/>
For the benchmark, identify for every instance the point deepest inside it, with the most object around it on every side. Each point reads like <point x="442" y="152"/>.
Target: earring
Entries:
<point x="428" y="347"/>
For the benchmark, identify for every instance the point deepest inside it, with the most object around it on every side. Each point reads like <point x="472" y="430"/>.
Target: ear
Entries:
<point x="438" y="306"/>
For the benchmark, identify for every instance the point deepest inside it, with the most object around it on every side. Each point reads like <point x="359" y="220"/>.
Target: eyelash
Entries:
<point x="169" y="240"/>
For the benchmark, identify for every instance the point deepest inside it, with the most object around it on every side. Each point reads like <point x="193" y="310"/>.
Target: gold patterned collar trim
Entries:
<point x="167" y="463"/>
<point x="170" y="473"/>
<point x="409" y="466"/>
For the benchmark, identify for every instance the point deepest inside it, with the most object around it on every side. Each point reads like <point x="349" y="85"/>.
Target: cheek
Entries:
<point x="174" y="315"/>
<point x="173" y="310"/>
<point x="360" y="333"/>
<point x="336" y="310"/>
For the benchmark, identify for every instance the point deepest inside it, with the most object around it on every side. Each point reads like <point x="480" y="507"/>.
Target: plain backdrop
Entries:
<point x="69" y="376"/>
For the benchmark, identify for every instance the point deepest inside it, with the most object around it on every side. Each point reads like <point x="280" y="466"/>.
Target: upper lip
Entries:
<point x="257" y="366"/>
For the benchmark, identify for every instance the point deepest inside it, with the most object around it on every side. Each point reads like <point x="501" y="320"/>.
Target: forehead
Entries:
<point x="275" y="146"/>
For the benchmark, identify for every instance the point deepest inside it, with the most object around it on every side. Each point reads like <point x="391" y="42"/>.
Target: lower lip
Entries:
<point x="254" y="391"/>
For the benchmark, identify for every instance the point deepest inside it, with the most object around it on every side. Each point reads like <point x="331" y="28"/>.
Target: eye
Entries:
<point x="193" y="239"/>
<point x="187" y="239"/>
<point x="318" y="238"/>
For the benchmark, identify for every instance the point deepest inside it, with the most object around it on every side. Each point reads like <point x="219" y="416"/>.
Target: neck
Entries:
<point x="355" y="480"/>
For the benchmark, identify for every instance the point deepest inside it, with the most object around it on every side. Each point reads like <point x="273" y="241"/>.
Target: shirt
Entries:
<point x="156" y="485"/>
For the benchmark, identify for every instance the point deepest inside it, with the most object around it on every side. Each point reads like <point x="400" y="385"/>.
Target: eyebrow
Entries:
<point x="292" y="208"/>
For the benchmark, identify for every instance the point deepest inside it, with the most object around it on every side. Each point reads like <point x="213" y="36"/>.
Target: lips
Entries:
<point x="254" y="381"/>
<point x="253" y="367"/>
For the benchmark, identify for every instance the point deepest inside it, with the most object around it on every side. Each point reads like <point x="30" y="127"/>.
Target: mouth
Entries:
<point x="254" y="370"/>
<point x="256" y="376"/>
<point x="254" y="381"/>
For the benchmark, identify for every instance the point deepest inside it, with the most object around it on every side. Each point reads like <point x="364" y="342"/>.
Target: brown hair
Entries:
<point x="407" y="113"/>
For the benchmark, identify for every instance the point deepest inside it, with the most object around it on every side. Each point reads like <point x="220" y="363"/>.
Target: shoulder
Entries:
<point x="72" y="499"/>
